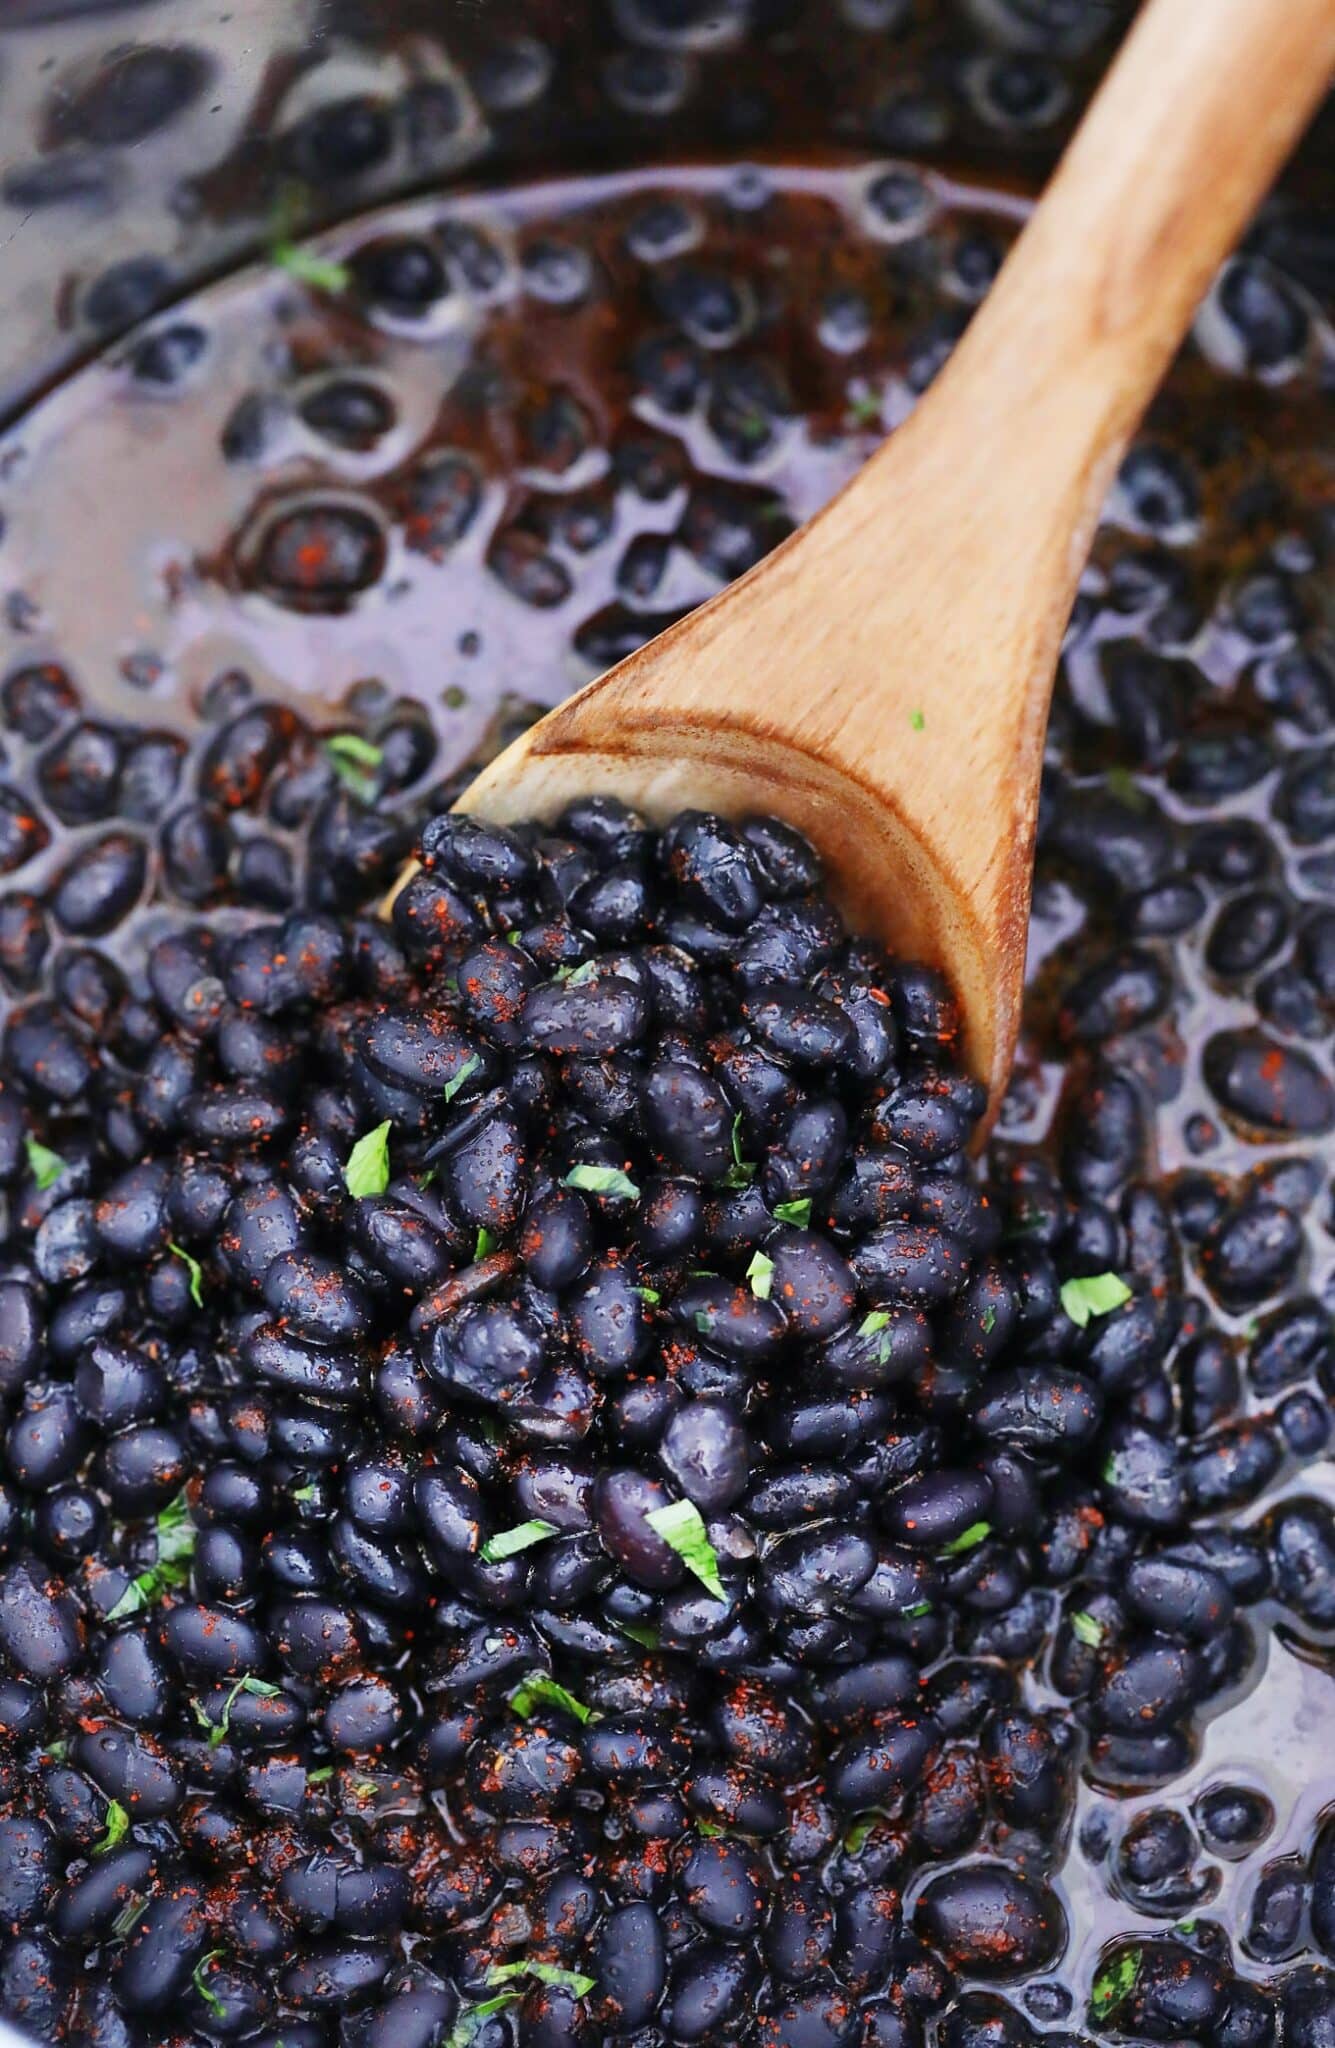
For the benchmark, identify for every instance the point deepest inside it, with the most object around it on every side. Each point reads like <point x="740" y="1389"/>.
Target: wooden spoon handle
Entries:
<point x="1202" y="105"/>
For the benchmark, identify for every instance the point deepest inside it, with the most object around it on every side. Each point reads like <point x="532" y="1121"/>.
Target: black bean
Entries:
<point x="910" y="1262"/>
<point x="988" y="1920"/>
<point x="1301" y="1538"/>
<point x="875" y="1768"/>
<point x="130" y="1769"/>
<point x="40" y="1628"/>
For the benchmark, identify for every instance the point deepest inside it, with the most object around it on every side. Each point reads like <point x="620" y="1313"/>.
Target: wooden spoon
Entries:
<point x="882" y="679"/>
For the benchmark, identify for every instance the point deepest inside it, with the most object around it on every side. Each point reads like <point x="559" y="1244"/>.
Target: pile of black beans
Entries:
<point x="533" y="1475"/>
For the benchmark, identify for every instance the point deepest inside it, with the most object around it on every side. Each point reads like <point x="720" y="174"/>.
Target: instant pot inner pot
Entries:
<point x="376" y="375"/>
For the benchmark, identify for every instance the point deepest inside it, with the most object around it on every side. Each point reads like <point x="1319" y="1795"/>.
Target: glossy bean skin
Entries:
<point x="680" y="1461"/>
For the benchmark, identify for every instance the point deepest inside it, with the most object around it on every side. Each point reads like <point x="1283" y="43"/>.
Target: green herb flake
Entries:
<point x="486" y="1243"/>
<point x="968" y="1539"/>
<point x="544" y="1973"/>
<point x="57" y="1751"/>
<point x="742" y="1171"/>
<point x="855" y="1841"/>
<point x="581" y="976"/>
<point x="797" y="1213"/>
<point x="304" y="1494"/>
<point x="647" y="1638"/>
<point x="918" y="1609"/>
<point x="367" y="1170"/>
<point x="917" y="721"/>
<point x="354" y="761"/>
<point x="1086" y="1629"/>
<point x="682" y="1528"/>
<point x="117" y="1828"/>
<point x="988" y="1321"/>
<point x="320" y="1777"/>
<point x="509" y="1542"/>
<point x="603" y="1180"/>
<point x="218" y="1730"/>
<point x="321" y="273"/>
<point x="1122" y="784"/>
<point x="474" y="2017"/>
<point x="709" y="1829"/>
<point x="194" y="1269"/>
<point x="131" y="1913"/>
<point x="872" y="1325"/>
<point x="538" y="1690"/>
<point x="465" y="1073"/>
<point x="649" y="1294"/>
<point x="1115" y="1983"/>
<point x="704" y="1322"/>
<point x="176" y="1536"/>
<point x="760" y="1273"/>
<point x="1098" y="1294"/>
<point x="1186" y="1926"/>
<point x="44" y="1165"/>
<point x="210" y="1998"/>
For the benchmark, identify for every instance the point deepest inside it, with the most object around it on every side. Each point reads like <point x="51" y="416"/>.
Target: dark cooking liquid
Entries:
<point x="426" y="523"/>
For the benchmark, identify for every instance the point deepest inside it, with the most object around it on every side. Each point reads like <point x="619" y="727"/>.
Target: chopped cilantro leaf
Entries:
<point x="465" y="1073"/>
<point x="1098" y="1294"/>
<point x="44" y="1165"/>
<point x="210" y="1998"/>
<point x="474" y="2017"/>
<point x="367" y="1170"/>
<point x="218" y="1730"/>
<point x="354" y="761"/>
<point x="603" y="1180"/>
<point x="195" y="1270"/>
<point x="682" y="1528"/>
<point x="545" y="1973"/>
<point x="742" y="1171"/>
<point x="539" y="1690"/>
<point x="760" y="1273"/>
<point x="176" y="1535"/>
<point x="1115" y="1983"/>
<point x="509" y="1542"/>
<point x="117" y="1827"/>
<point x="321" y="273"/>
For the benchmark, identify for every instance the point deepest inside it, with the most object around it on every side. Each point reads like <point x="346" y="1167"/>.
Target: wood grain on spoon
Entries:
<point x="882" y="679"/>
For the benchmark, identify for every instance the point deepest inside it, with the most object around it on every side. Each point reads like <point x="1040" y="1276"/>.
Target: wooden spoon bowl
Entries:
<point x="882" y="679"/>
